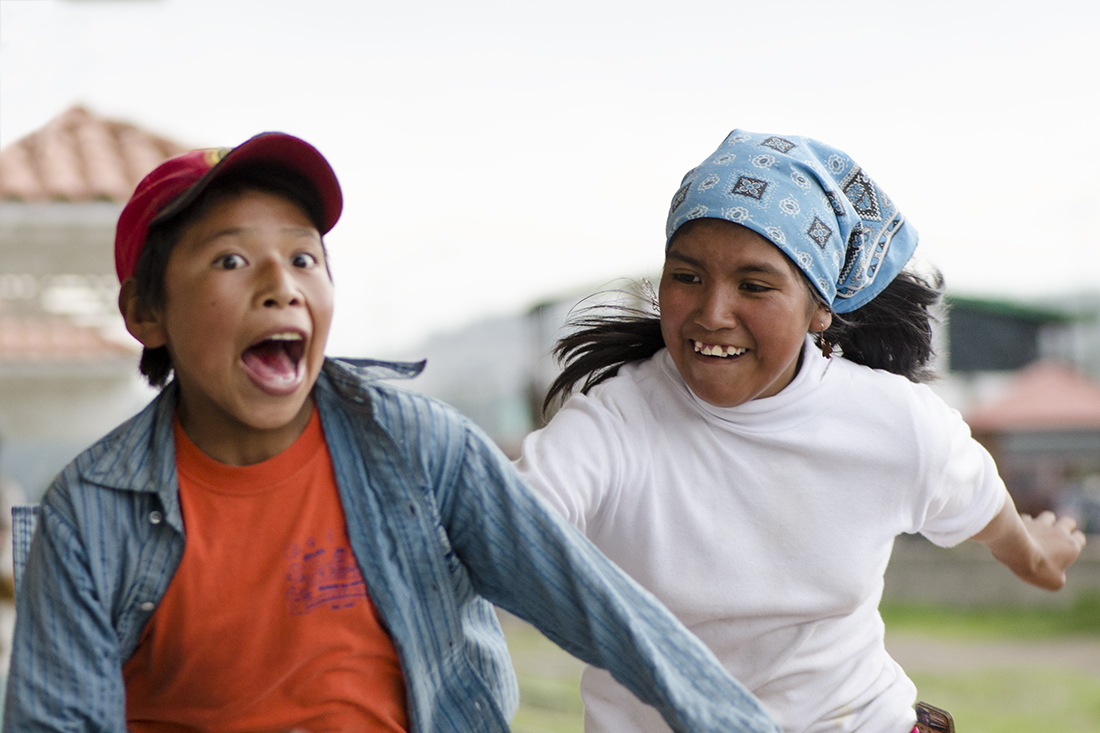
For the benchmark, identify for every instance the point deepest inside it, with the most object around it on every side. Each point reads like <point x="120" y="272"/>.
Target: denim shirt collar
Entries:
<point x="133" y="463"/>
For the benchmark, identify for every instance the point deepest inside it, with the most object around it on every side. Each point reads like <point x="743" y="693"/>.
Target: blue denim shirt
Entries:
<point x="442" y="527"/>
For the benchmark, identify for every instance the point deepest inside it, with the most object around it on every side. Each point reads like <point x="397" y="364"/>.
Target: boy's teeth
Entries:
<point x="285" y="337"/>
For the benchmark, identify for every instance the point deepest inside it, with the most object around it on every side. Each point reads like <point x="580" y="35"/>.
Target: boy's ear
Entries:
<point x="143" y="323"/>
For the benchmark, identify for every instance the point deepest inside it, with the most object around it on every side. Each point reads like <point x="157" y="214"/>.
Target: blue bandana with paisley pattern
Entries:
<point x="809" y="199"/>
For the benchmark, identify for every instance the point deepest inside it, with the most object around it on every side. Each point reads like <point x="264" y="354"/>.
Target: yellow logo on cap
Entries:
<point x="213" y="155"/>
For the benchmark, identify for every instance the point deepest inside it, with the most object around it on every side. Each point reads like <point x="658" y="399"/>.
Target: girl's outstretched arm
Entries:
<point x="1037" y="549"/>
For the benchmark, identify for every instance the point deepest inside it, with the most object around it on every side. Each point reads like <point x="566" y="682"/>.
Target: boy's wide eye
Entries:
<point x="303" y="260"/>
<point x="686" y="277"/>
<point x="230" y="262"/>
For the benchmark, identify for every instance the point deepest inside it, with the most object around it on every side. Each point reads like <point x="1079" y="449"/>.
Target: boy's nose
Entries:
<point x="278" y="287"/>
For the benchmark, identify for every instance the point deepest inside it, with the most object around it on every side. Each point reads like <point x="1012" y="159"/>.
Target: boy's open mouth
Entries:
<point x="274" y="364"/>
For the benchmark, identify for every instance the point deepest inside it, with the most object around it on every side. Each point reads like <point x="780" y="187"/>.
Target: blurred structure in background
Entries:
<point x="1027" y="379"/>
<point x="1044" y="433"/>
<point x="68" y="369"/>
<point x="497" y="371"/>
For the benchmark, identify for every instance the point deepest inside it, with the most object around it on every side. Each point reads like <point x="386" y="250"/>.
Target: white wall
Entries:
<point x="47" y="417"/>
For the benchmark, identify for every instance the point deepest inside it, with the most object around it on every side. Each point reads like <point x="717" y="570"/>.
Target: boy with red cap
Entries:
<point x="279" y="541"/>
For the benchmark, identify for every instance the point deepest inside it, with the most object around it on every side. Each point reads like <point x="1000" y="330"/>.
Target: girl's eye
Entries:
<point x="304" y="260"/>
<point x="755" y="287"/>
<point x="230" y="262"/>
<point x="687" y="278"/>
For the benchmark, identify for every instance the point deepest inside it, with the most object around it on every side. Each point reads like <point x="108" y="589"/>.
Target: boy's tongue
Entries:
<point x="271" y="368"/>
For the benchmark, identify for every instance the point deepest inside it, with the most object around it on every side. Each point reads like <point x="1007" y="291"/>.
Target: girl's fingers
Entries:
<point x="1046" y="517"/>
<point x="1069" y="523"/>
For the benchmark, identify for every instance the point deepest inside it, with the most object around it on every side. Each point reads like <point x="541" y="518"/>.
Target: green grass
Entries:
<point x="549" y="679"/>
<point x="1023" y="698"/>
<point x="1020" y="697"/>
<point x="1083" y="617"/>
<point x="1015" y="700"/>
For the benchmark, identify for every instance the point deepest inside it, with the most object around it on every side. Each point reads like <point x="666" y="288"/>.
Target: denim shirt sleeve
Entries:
<point x="95" y="569"/>
<point x="522" y="557"/>
<point x="66" y="674"/>
<point x="527" y="560"/>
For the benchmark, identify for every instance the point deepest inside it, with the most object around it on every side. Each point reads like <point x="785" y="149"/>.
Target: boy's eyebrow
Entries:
<point x="231" y="231"/>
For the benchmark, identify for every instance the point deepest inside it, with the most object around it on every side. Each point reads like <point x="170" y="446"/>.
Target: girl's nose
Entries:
<point x="716" y="310"/>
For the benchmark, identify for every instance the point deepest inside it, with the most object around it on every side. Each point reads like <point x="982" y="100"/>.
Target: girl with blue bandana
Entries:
<point x="750" y="455"/>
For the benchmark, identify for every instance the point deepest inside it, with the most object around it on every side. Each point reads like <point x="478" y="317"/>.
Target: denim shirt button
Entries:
<point x="156" y="517"/>
<point x="477" y="705"/>
<point x="148" y="606"/>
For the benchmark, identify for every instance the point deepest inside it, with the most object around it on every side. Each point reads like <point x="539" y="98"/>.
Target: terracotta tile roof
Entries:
<point x="81" y="157"/>
<point x="77" y="157"/>
<point x="1044" y="396"/>
<point x="56" y="339"/>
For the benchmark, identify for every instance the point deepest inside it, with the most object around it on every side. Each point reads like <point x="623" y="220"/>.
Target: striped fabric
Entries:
<point x="442" y="528"/>
<point x="23" y="521"/>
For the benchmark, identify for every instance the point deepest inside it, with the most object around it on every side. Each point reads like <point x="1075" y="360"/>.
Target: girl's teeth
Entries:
<point x="717" y="350"/>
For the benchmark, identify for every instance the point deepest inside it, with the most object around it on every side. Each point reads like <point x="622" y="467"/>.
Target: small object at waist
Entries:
<point x="931" y="719"/>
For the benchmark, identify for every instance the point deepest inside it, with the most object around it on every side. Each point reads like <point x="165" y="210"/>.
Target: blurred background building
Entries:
<point x="68" y="369"/>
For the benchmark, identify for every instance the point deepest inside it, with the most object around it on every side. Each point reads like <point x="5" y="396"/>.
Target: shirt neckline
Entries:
<point x="794" y="404"/>
<point x="259" y="478"/>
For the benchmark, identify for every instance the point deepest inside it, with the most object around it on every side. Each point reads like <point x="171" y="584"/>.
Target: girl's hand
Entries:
<point x="1059" y="542"/>
<point x="1037" y="549"/>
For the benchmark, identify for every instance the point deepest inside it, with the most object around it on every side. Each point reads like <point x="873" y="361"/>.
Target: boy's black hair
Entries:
<point x="156" y="364"/>
<point x="892" y="332"/>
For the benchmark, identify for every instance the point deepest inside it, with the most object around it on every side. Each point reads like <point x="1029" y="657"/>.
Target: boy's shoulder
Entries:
<point x="429" y="435"/>
<point x="372" y="387"/>
<point x="352" y="372"/>
<point x="375" y="386"/>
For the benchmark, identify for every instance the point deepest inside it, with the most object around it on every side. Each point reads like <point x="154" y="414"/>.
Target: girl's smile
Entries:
<point x="734" y="312"/>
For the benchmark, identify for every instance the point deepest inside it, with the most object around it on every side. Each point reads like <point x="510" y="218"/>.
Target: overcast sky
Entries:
<point x="495" y="153"/>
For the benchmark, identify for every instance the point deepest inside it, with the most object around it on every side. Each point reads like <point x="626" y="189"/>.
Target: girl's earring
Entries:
<point x="826" y="345"/>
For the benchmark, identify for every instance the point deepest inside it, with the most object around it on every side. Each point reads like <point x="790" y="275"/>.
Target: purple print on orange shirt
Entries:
<point x="322" y="573"/>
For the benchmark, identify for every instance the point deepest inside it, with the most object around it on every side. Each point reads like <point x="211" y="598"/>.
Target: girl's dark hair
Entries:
<point x="892" y="332"/>
<point x="149" y="289"/>
<point x="602" y="338"/>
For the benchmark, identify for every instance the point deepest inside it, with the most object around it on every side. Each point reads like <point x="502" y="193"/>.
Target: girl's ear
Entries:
<point x="143" y="323"/>
<point x="823" y="318"/>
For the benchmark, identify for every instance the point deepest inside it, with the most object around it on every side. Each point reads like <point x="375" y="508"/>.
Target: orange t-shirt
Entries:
<point x="266" y="625"/>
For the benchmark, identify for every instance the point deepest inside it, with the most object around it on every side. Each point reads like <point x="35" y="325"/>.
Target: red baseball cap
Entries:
<point x="176" y="182"/>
